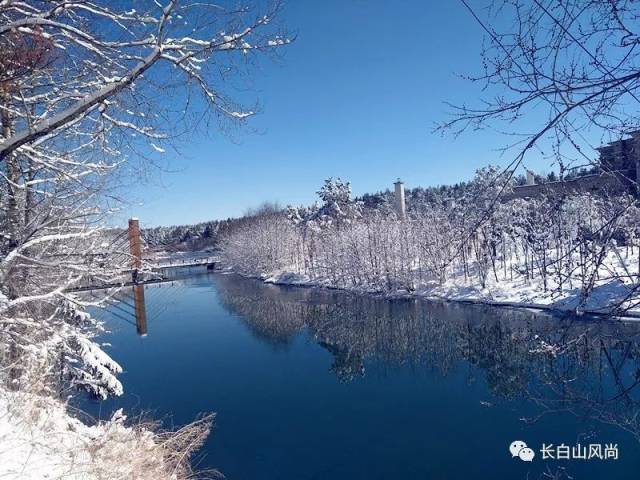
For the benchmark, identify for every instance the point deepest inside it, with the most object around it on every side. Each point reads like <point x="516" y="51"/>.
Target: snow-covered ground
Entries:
<point x="40" y="440"/>
<point x="617" y="279"/>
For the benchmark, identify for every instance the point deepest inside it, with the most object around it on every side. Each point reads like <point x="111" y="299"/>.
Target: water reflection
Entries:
<point x="590" y="369"/>
<point x="415" y="381"/>
<point x="140" y="309"/>
<point x="128" y="304"/>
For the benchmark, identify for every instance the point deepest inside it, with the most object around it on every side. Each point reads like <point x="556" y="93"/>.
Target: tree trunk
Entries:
<point x="13" y="175"/>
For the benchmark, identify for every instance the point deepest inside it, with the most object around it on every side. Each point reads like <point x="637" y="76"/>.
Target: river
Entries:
<point x="318" y="384"/>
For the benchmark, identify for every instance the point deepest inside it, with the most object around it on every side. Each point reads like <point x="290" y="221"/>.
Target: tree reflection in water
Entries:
<point x="586" y="367"/>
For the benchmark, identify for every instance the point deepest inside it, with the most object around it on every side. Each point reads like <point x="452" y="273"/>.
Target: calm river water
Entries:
<point x="313" y="384"/>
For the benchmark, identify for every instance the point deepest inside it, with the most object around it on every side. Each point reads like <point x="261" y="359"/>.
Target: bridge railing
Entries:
<point x="184" y="262"/>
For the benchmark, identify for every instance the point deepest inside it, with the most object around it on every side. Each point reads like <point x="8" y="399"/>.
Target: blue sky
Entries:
<point x="356" y="96"/>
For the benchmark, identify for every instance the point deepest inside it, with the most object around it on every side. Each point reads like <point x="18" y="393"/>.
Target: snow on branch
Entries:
<point x="81" y="69"/>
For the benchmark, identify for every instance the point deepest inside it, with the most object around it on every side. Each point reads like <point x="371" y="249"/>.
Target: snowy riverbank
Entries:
<point x="613" y="292"/>
<point x="575" y="252"/>
<point x="39" y="439"/>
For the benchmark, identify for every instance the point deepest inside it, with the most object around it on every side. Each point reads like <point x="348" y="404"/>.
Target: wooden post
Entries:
<point x="141" y="310"/>
<point x="135" y="247"/>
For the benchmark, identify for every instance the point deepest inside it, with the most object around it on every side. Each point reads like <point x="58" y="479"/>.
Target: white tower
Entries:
<point x="399" y="199"/>
<point x="531" y="178"/>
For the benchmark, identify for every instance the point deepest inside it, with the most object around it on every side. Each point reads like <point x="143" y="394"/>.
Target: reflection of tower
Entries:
<point x="141" y="310"/>
<point x="399" y="199"/>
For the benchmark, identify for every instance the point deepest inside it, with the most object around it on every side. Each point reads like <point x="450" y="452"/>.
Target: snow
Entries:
<point x="157" y="148"/>
<point x="604" y="298"/>
<point x="241" y="115"/>
<point x="288" y="278"/>
<point x="278" y="41"/>
<point x="103" y="369"/>
<point x="72" y="111"/>
<point x="39" y="440"/>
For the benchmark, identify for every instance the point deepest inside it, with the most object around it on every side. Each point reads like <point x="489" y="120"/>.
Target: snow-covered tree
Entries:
<point x="91" y="95"/>
<point x="552" y="245"/>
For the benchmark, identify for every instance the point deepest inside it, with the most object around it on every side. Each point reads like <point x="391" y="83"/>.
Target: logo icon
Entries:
<point x="519" y="449"/>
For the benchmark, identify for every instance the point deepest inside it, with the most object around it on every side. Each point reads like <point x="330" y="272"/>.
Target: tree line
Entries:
<point x="558" y="245"/>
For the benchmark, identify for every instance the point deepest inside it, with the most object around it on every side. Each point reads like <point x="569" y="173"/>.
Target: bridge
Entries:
<point x="124" y="292"/>
<point x="126" y="248"/>
<point x="151" y="274"/>
<point x="211" y="262"/>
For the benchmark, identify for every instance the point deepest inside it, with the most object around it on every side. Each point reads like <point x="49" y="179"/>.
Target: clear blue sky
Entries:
<point x="355" y="96"/>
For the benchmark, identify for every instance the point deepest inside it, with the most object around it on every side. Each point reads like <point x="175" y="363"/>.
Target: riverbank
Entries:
<point x="613" y="293"/>
<point x="40" y="439"/>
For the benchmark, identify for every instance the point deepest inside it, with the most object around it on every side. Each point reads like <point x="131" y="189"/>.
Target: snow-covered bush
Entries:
<point x="49" y="348"/>
<point x="260" y="246"/>
<point x="38" y="439"/>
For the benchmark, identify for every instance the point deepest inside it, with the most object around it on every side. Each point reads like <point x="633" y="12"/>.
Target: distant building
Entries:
<point x="619" y="170"/>
<point x="622" y="158"/>
<point x="599" y="182"/>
